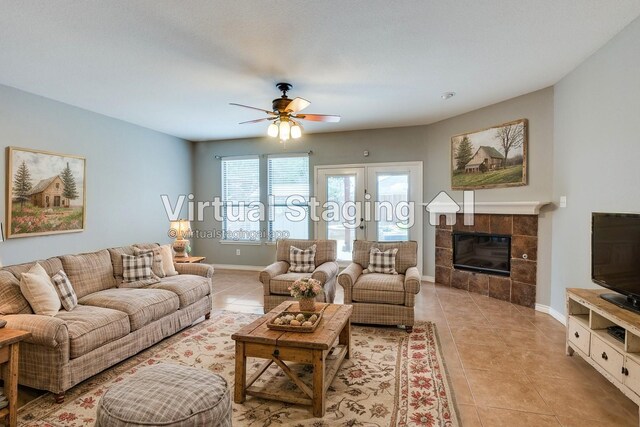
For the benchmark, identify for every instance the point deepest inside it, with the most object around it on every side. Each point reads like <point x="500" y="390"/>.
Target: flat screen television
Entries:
<point x="615" y="257"/>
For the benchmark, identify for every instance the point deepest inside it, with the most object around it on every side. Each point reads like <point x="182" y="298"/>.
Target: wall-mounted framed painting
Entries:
<point x="490" y="158"/>
<point x="46" y="193"/>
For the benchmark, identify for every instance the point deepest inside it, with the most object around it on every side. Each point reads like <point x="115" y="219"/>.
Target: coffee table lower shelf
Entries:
<point x="332" y="365"/>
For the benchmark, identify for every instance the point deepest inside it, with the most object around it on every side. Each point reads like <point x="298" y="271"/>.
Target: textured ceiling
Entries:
<point x="174" y="65"/>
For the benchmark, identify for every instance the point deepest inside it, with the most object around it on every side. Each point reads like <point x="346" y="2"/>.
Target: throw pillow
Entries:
<point x="38" y="290"/>
<point x="156" y="266"/>
<point x="302" y="261"/>
<point x="135" y="268"/>
<point x="167" y="261"/>
<point x="382" y="262"/>
<point x="65" y="291"/>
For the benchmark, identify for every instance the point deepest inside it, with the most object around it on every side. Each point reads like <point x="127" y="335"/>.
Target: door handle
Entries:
<point x="361" y="224"/>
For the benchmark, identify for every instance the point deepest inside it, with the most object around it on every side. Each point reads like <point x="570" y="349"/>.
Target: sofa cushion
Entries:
<point x="142" y="305"/>
<point x="189" y="288"/>
<point x="51" y="266"/>
<point x="90" y="272"/>
<point x="279" y="285"/>
<point x="302" y="260"/>
<point x="406" y="257"/>
<point x="116" y="260"/>
<point x="38" y="289"/>
<point x="156" y="265"/>
<point x="92" y="327"/>
<point x="379" y="288"/>
<point x="326" y="250"/>
<point x="11" y="299"/>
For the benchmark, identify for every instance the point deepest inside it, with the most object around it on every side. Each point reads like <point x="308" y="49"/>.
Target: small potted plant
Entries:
<point x="305" y="290"/>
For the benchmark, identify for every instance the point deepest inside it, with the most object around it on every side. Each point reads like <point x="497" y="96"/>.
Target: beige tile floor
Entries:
<point x="507" y="363"/>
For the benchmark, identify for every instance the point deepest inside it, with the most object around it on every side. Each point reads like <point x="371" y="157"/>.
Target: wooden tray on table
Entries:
<point x="293" y="328"/>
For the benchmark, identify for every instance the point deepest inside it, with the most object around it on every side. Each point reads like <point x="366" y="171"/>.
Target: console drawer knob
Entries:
<point x="577" y="335"/>
<point x="604" y="356"/>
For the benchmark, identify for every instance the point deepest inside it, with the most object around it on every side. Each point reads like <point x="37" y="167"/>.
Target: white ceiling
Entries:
<point x="174" y="65"/>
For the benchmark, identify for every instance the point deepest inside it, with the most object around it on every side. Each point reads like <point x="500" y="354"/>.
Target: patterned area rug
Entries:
<point x="392" y="379"/>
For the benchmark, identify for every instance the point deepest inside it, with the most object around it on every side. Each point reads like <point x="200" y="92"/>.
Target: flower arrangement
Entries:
<point x="305" y="287"/>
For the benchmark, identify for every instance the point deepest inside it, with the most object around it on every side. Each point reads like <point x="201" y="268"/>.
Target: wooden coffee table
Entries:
<point x="256" y="340"/>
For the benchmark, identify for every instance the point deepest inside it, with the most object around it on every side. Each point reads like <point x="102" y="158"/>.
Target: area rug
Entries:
<point x="392" y="379"/>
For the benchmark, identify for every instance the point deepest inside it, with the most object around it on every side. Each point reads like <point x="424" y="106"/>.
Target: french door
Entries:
<point x="379" y="202"/>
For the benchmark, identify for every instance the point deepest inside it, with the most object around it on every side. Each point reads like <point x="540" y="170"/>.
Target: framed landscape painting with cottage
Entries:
<point x="490" y="158"/>
<point x="45" y="193"/>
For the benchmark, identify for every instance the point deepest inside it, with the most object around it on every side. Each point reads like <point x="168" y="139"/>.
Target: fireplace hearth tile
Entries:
<point x="521" y="245"/>
<point x="502" y="224"/>
<point x="500" y="288"/>
<point x="443" y="275"/>
<point x="479" y="283"/>
<point x="444" y="257"/>
<point x="443" y="239"/>
<point x="460" y="279"/>
<point x="525" y="225"/>
<point x="523" y="294"/>
<point x="523" y="271"/>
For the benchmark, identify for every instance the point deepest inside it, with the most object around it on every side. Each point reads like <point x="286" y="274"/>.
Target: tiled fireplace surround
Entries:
<point x="520" y="287"/>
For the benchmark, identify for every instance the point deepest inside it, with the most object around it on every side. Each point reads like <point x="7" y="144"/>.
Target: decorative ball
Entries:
<point x="300" y="317"/>
<point x="294" y="322"/>
<point x="278" y="321"/>
<point x="313" y="318"/>
<point x="307" y="323"/>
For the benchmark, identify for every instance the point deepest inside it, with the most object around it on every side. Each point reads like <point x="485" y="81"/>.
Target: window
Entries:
<point x="241" y="191"/>
<point x="288" y="175"/>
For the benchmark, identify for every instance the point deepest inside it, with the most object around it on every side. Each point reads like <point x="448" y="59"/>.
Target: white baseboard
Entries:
<point x="431" y="279"/>
<point x="552" y="312"/>
<point x="238" y="267"/>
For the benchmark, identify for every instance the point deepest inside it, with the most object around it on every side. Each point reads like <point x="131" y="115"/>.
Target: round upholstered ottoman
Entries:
<point x="167" y="395"/>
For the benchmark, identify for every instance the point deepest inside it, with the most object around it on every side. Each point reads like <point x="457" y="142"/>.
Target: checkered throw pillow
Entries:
<point x="382" y="262"/>
<point x="302" y="261"/>
<point x="65" y="291"/>
<point x="135" y="268"/>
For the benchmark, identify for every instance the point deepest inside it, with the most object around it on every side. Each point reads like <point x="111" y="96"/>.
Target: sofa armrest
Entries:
<point x="204" y="270"/>
<point x="45" y="330"/>
<point x="271" y="271"/>
<point x="412" y="280"/>
<point x="325" y="272"/>
<point x="348" y="278"/>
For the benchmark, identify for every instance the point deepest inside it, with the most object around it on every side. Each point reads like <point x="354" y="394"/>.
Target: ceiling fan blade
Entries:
<point x="254" y="108"/>
<point x="318" y="117"/>
<point x="298" y="104"/>
<point x="258" y="120"/>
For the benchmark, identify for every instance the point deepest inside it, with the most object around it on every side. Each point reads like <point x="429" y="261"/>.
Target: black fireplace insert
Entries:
<point x="485" y="253"/>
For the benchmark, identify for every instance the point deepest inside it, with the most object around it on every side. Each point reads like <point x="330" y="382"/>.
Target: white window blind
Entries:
<point x="288" y="175"/>
<point x="240" y="187"/>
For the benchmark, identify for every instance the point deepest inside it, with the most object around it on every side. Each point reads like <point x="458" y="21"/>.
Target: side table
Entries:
<point x="9" y="352"/>
<point x="189" y="259"/>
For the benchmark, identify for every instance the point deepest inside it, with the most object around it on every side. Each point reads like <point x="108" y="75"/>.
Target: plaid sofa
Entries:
<point x="382" y="299"/>
<point x="276" y="277"/>
<point x="109" y="325"/>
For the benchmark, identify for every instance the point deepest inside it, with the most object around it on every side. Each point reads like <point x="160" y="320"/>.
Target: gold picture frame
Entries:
<point x="45" y="194"/>
<point x="494" y="157"/>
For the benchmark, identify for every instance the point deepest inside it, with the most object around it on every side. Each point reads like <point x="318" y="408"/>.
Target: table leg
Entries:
<point x="241" y="374"/>
<point x="12" y="384"/>
<point x="345" y="338"/>
<point x="318" y="383"/>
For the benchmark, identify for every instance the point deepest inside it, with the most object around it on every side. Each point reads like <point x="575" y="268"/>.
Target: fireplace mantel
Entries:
<point x="496" y="208"/>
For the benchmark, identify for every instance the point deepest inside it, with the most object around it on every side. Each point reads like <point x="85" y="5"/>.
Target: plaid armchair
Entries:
<point x="382" y="299"/>
<point x="276" y="277"/>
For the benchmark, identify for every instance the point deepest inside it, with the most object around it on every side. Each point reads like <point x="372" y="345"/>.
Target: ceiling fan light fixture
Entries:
<point x="285" y="130"/>
<point x="272" y="130"/>
<point x="296" y="131"/>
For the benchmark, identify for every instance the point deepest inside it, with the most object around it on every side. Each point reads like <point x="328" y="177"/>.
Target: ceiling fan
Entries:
<point x="286" y="113"/>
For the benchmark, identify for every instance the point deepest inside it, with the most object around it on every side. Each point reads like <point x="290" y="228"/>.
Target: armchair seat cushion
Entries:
<point x="379" y="288"/>
<point x="279" y="285"/>
<point x="92" y="327"/>
<point x="143" y="306"/>
<point x="188" y="287"/>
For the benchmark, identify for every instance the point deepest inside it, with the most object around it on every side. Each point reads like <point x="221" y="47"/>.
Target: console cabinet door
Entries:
<point x="632" y="377"/>
<point x="579" y="336"/>
<point x="607" y="357"/>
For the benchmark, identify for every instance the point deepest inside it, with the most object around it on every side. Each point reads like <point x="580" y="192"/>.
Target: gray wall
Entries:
<point x="128" y="167"/>
<point x="597" y="116"/>
<point x="430" y="144"/>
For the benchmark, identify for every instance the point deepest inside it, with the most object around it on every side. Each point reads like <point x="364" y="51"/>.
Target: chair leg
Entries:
<point x="207" y="316"/>
<point x="59" y="397"/>
<point x="409" y="329"/>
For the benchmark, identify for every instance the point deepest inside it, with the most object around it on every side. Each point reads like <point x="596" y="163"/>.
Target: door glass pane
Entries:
<point x="341" y="189"/>
<point x="391" y="190"/>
